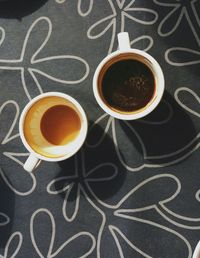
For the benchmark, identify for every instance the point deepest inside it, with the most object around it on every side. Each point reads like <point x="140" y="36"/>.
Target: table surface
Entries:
<point x="133" y="190"/>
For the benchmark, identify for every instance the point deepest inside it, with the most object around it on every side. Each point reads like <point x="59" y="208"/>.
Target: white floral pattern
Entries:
<point x="130" y="214"/>
<point x="179" y="10"/>
<point x="47" y="62"/>
<point x="143" y="16"/>
<point x="195" y="97"/>
<point x="99" y="207"/>
<point x="193" y="56"/>
<point x="68" y="183"/>
<point x="82" y="12"/>
<point x="9" y="252"/>
<point x="9" y="140"/>
<point x="53" y="253"/>
<point x="4" y="219"/>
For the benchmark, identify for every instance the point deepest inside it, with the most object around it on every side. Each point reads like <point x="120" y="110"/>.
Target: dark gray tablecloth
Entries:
<point x="133" y="190"/>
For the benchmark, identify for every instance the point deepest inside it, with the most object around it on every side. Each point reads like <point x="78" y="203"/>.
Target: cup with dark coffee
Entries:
<point x="129" y="83"/>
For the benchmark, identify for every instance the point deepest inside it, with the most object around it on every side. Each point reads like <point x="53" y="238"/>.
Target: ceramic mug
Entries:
<point x="196" y="253"/>
<point x="124" y="53"/>
<point x="53" y="127"/>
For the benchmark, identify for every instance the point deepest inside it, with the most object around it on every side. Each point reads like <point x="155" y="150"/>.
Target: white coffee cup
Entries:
<point x="33" y="138"/>
<point x="196" y="253"/>
<point x="125" y="51"/>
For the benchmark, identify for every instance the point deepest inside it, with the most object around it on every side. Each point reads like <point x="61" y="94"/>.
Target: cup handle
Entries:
<point x="31" y="163"/>
<point x="123" y="41"/>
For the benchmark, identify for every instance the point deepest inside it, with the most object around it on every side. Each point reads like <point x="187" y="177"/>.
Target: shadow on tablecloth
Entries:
<point x="7" y="207"/>
<point x="97" y="171"/>
<point x="19" y="8"/>
<point x="164" y="136"/>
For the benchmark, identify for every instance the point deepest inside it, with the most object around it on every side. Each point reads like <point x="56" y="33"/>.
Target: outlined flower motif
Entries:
<point x="13" y="246"/>
<point x="180" y="9"/>
<point x="138" y="137"/>
<point x="186" y="56"/>
<point x="9" y="143"/>
<point x="81" y="6"/>
<point x="4" y="219"/>
<point x="80" y="238"/>
<point x="79" y="183"/>
<point x="198" y="195"/>
<point x="30" y="64"/>
<point x="160" y="204"/>
<point x="2" y="32"/>
<point x="122" y="10"/>
<point x="191" y="108"/>
<point x="131" y="211"/>
<point x="188" y="92"/>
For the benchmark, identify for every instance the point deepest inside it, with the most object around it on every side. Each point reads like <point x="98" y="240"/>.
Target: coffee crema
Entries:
<point x="127" y="85"/>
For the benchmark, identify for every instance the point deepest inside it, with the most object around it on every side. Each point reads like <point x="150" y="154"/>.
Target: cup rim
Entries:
<point x="196" y="251"/>
<point x="53" y="94"/>
<point x="159" y="90"/>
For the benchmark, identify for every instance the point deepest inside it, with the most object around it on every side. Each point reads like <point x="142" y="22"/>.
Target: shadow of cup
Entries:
<point x="166" y="133"/>
<point x="97" y="170"/>
<point x="19" y="8"/>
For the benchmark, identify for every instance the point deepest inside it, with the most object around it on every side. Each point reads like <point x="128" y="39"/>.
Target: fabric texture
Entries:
<point x="133" y="190"/>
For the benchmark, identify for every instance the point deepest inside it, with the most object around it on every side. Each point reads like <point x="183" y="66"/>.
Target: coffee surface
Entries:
<point x="128" y="85"/>
<point x="60" y="124"/>
<point x="51" y="122"/>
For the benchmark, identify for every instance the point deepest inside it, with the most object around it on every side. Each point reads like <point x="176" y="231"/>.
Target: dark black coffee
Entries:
<point x="128" y="85"/>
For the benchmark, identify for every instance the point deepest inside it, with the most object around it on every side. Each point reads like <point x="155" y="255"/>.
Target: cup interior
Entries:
<point x="53" y="126"/>
<point x="137" y="56"/>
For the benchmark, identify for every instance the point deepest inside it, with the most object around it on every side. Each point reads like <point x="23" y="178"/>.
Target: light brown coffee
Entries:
<point x="60" y="124"/>
<point x="51" y="122"/>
